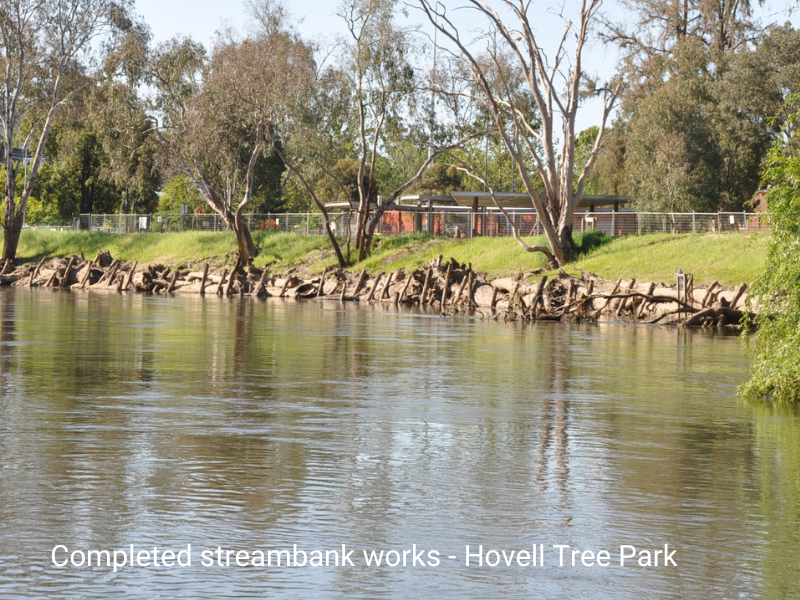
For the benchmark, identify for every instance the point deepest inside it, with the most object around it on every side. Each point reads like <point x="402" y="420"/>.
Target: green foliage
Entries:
<point x="704" y="105"/>
<point x="267" y="183"/>
<point x="673" y="159"/>
<point x="441" y="180"/>
<point x="43" y="213"/>
<point x="73" y="180"/>
<point x="776" y="292"/>
<point x="340" y="183"/>
<point x="178" y="191"/>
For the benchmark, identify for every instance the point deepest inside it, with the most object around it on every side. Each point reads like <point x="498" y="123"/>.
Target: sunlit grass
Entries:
<point x="730" y="258"/>
<point x="168" y="248"/>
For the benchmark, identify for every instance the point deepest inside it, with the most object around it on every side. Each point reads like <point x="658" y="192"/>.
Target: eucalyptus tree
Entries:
<point x="45" y="46"/>
<point x="354" y="126"/>
<point x="222" y="115"/>
<point x="116" y="112"/>
<point x="204" y="133"/>
<point x="376" y="58"/>
<point x="554" y="84"/>
<point x="301" y="101"/>
<point x="707" y="85"/>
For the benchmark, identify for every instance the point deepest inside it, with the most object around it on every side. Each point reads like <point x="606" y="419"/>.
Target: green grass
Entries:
<point x="168" y="248"/>
<point x="499" y="256"/>
<point x="730" y="258"/>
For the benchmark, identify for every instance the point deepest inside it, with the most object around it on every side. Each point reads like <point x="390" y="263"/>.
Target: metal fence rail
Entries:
<point x="448" y="223"/>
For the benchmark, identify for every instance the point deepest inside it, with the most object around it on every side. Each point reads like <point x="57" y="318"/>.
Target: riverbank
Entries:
<point x="730" y="258"/>
<point x="444" y="285"/>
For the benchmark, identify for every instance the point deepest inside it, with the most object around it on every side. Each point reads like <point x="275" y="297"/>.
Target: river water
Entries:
<point x="246" y="425"/>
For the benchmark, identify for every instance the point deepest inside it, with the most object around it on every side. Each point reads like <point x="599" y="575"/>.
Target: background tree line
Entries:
<point x="706" y="96"/>
<point x="264" y="120"/>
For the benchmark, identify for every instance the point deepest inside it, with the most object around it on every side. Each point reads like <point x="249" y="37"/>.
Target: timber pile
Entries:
<point x="448" y="287"/>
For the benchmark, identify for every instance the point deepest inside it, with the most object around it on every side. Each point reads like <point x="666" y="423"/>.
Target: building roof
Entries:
<point x="514" y="200"/>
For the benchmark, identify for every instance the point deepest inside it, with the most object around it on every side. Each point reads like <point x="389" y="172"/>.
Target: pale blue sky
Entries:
<point x="200" y="19"/>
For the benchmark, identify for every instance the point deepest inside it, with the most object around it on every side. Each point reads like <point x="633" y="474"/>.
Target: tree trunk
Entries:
<point x="567" y="243"/>
<point x="13" y="230"/>
<point x="371" y="225"/>
<point x="244" y="241"/>
<point x="362" y="235"/>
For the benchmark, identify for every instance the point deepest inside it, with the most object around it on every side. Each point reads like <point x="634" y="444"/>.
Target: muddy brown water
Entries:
<point x="252" y="425"/>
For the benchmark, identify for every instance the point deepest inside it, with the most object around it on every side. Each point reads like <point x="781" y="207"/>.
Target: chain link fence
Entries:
<point x="448" y="223"/>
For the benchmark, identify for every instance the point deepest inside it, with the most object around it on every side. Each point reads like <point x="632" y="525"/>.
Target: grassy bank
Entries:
<point x="729" y="258"/>
<point x="171" y="248"/>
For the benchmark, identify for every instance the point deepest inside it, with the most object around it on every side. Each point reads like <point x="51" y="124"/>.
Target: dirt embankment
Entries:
<point x="447" y="286"/>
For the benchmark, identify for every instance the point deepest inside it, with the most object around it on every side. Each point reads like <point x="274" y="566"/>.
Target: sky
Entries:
<point x="200" y="19"/>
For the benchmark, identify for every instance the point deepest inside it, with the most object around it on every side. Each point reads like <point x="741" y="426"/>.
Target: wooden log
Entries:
<point x="261" y="281"/>
<point x="425" y="286"/>
<point x="205" y="276"/>
<point x="385" y="291"/>
<point x="614" y="290"/>
<point x="36" y="271"/>
<point x="507" y="284"/>
<point x="102" y="259"/>
<point x="109" y="273"/>
<point x="460" y="289"/>
<point x="172" y="282"/>
<point x="513" y="296"/>
<point x="344" y="288"/>
<point x="538" y="295"/>
<point x="321" y="282"/>
<point x="587" y="298"/>
<point x="730" y="315"/>
<point x="471" y="289"/>
<point x="709" y="291"/>
<point x="374" y="287"/>
<point x="67" y="271"/>
<point x="87" y="275"/>
<point x="638" y="314"/>
<point x="446" y="287"/>
<point x="120" y="281"/>
<point x="131" y="273"/>
<point x="405" y="288"/>
<point x="494" y="297"/>
<point x="51" y="279"/>
<point x="105" y="274"/>
<point x="114" y="270"/>
<point x="360" y="281"/>
<point x="624" y="301"/>
<point x="221" y="281"/>
<point x="231" y="279"/>
<point x="739" y="292"/>
<point x="289" y="278"/>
